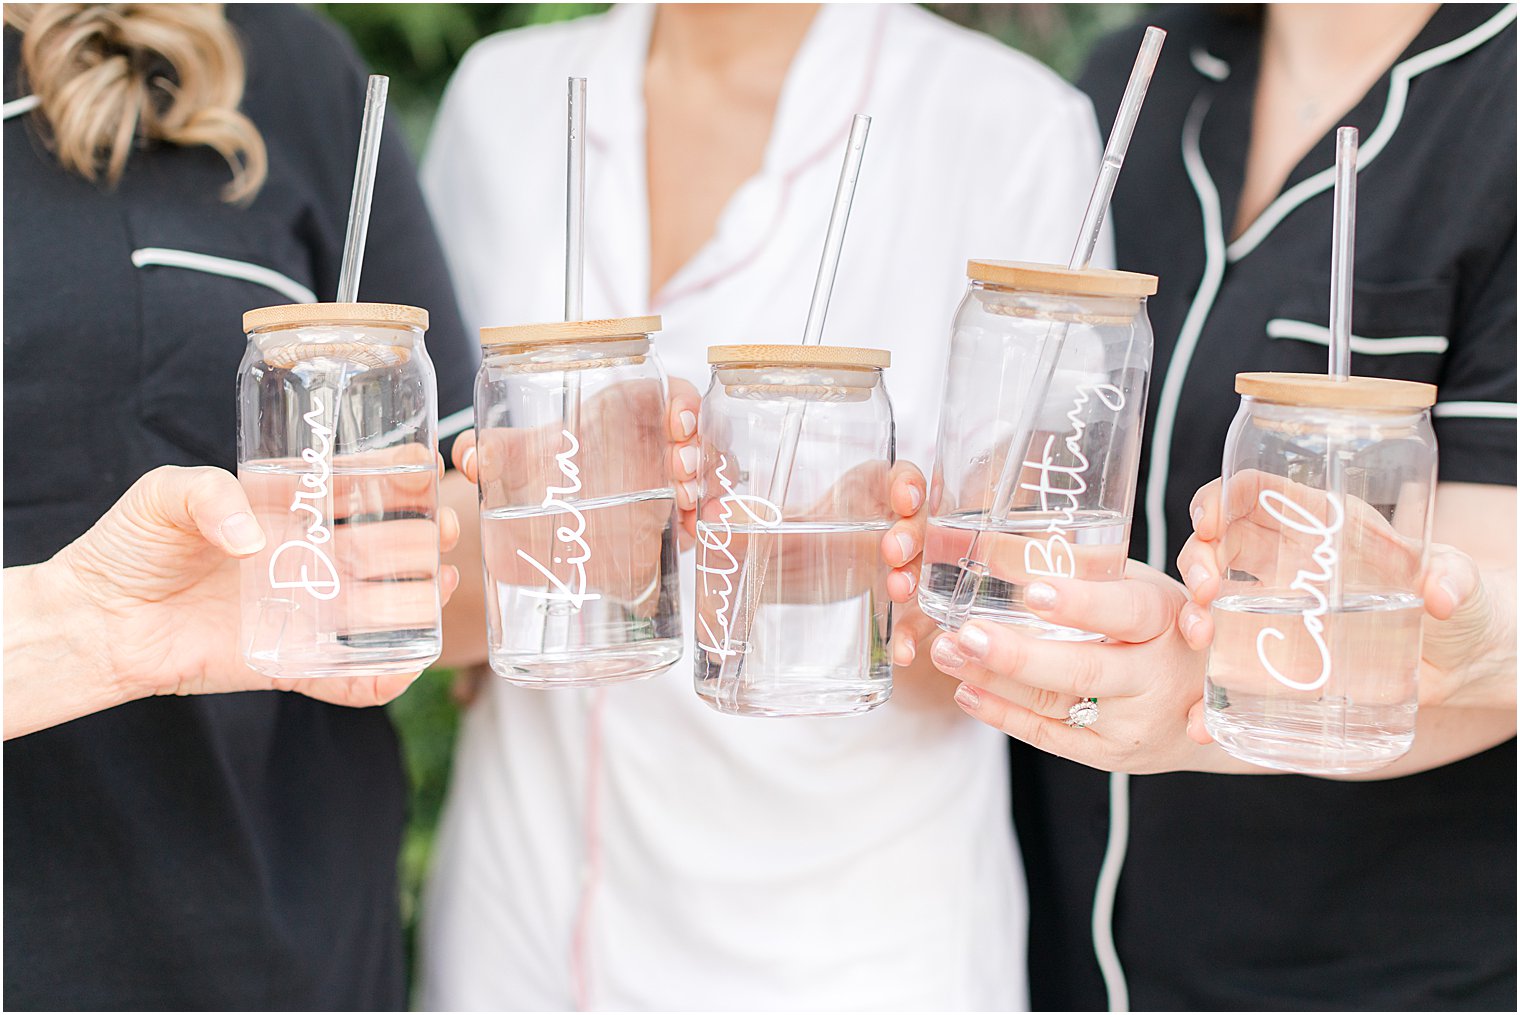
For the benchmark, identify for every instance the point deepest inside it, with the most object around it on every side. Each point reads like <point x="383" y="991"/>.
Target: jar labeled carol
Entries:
<point x="793" y="617"/>
<point x="338" y="451"/>
<point x="1328" y="494"/>
<point x="1039" y="439"/>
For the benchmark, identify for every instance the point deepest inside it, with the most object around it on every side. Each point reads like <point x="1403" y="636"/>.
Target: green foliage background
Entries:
<point x="419" y="45"/>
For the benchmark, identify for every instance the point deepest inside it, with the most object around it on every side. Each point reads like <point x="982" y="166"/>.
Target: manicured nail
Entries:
<point x="689" y="488"/>
<point x="1450" y="588"/>
<point x="241" y="533"/>
<point x="688" y="423"/>
<point x="1040" y="596"/>
<point x="967" y="698"/>
<point x="1190" y="622"/>
<point x="973" y="641"/>
<point x="467" y="459"/>
<point x="906" y="545"/>
<point x="944" y="654"/>
<point x="915" y="499"/>
<point x="1196" y="576"/>
<point x="1197" y="517"/>
<point x="690" y="459"/>
<point x="904" y="653"/>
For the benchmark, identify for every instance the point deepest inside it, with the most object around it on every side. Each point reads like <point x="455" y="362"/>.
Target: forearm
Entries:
<point x="464" y="618"/>
<point x="55" y="667"/>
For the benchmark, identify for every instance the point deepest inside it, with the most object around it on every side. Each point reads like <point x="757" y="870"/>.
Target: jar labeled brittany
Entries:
<point x="1328" y="493"/>
<point x="793" y="617"/>
<point x="1055" y="361"/>
<point x="577" y="511"/>
<point x="338" y="451"/>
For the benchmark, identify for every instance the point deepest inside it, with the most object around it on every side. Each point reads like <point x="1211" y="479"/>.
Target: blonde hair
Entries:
<point x="106" y="75"/>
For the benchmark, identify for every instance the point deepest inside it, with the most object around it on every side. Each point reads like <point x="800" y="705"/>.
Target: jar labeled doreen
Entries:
<point x="337" y="449"/>
<point x="793" y="617"/>
<point x="577" y="511"/>
<point x="1328" y="493"/>
<point x="1039" y="438"/>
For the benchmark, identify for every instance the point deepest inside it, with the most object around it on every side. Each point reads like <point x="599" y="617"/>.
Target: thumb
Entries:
<point x="203" y="499"/>
<point x="1451" y="582"/>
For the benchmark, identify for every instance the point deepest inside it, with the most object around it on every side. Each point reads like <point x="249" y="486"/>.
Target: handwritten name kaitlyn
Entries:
<point x="1060" y="488"/>
<point x="576" y="551"/>
<point x="717" y="564"/>
<point x="317" y="575"/>
<point x="1309" y="581"/>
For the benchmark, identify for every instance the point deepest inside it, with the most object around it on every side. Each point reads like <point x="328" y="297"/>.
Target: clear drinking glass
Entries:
<point x="793" y="617"/>
<point x="337" y="449"/>
<point x="1063" y="507"/>
<point x="1328" y="495"/>
<point x="577" y="511"/>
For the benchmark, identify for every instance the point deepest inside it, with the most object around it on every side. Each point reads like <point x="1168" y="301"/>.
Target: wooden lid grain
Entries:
<point x="799" y="355"/>
<point x="1053" y="278"/>
<point x="568" y="331"/>
<point x="1322" y="390"/>
<point x="300" y="314"/>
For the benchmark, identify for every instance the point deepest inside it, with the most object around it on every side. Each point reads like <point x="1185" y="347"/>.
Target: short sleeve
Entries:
<point x="1474" y="414"/>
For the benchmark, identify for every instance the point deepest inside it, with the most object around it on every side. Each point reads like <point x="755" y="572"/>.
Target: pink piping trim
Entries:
<point x="580" y="965"/>
<point x="579" y="949"/>
<point x="831" y="146"/>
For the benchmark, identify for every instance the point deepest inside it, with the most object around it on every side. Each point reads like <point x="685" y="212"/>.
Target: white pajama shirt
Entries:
<point x="630" y="848"/>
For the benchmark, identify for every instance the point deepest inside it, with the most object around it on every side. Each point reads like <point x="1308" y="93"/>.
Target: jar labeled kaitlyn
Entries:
<point x="1039" y="439"/>
<point x="577" y="511"/>
<point x="1328" y="493"/>
<point x="793" y="617"/>
<point x="338" y="451"/>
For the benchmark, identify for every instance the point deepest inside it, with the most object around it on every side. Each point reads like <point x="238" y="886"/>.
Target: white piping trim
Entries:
<point x="16" y="107"/>
<point x="225" y="266"/>
<point x="1207" y="64"/>
<point x="1393" y="113"/>
<point x="1475" y="410"/>
<point x="1187" y="337"/>
<point x="1108" y="888"/>
<point x="456" y="423"/>
<point x="1303" y="331"/>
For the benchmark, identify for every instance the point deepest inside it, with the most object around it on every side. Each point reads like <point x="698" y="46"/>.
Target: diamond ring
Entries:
<point x="1083" y="714"/>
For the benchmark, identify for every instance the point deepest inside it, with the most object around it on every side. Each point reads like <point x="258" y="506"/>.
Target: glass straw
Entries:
<point x="364" y="188"/>
<point x="575" y="273"/>
<point x="968" y="585"/>
<point x="1342" y="252"/>
<point x="752" y="569"/>
<point x="348" y="285"/>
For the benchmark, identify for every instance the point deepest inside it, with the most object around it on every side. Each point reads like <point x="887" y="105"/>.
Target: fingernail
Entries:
<point x="944" y="654"/>
<point x="1040" y="596"/>
<point x="915" y="499"/>
<point x="967" y="698"/>
<point x="909" y="653"/>
<point x="241" y="533"/>
<point x="1196" y="576"/>
<point x="1190" y="622"/>
<point x="690" y="489"/>
<point x="1197" y="517"/>
<point x="973" y="641"/>
<point x="690" y="458"/>
<point x="465" y="460"/>
<point x="688" y="423"/>
<point x="1450" y="588"/>
<point x="912" y="581"/>
<point x="905" y="544"/>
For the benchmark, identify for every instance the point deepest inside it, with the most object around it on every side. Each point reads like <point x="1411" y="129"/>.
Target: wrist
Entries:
<point x="55" y="666"/>
<point x="81" y="633"/>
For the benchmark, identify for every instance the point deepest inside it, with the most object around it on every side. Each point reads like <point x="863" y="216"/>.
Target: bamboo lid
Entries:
<point x="1323" y="390"/>
<point x="300" y="314"/>
<point x="569" y="331"/>
<point x="799" y="355"/>
<point x="1054" y="278"/>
